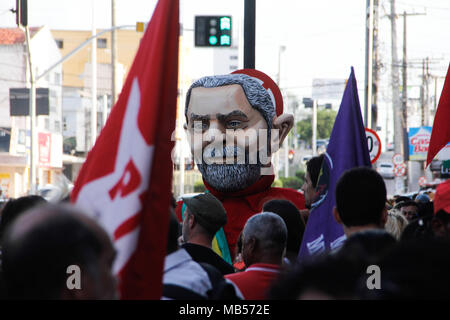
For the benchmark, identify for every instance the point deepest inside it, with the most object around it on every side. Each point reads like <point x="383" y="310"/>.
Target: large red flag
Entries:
<point x="440" y="135"/>
<point x="126" y="180"/>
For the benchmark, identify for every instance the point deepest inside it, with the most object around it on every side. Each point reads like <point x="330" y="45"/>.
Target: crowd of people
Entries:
<point x="406" y="241"/>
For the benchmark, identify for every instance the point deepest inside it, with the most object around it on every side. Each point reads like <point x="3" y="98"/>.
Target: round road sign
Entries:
<point x="422" y="181"/>
<point x="400" y="170"/>
<point x="397" y="159"/>
<point x="374" y="145"/>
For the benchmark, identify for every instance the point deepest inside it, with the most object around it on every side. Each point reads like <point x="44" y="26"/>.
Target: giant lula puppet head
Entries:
<point x="234" y="123"/>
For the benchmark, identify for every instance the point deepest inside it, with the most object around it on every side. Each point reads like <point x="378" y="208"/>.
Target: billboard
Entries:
<point x="19" y="101"/>
<point x="44" y="140"/>
<point x="419" y="140"/>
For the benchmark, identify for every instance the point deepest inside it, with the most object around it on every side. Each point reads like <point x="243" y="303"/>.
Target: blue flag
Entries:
<point x="347" y="149"/>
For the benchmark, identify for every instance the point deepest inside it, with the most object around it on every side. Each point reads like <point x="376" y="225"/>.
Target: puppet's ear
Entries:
<point x="284" y="123"/>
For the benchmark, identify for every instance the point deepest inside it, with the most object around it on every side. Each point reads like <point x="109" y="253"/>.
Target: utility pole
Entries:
<point x="396" y="103"/>
<point x="405" y="82"/>
<point x="114" y="89"/>
<point x="375" y="67"/>
<point x="424" y="94"/>
<point x="22" y="22"/>
<point x="412" y="166"/>
<point x="369" y="64"/>
<point x="405" y="92"/>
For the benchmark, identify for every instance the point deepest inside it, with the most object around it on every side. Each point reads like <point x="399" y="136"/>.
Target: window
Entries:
<point x="59" y="43"/>
<point x="101" y="43"/>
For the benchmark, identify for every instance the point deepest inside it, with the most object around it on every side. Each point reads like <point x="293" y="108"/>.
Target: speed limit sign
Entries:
<point x="422" y="181"/>
<point x="397" y="159"/>
<point x="374" y="145"/>
<point x="400" y="170"/>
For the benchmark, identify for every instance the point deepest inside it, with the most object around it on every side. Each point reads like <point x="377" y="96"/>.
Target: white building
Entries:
<point x="14" y="73"/>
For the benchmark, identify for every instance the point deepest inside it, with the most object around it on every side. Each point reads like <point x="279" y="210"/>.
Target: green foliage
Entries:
<point x="199" y="186"/>
<point x="300" y="174"/>
<point x="325" y="122"/>
<point x="277" y="184"/>
<point x="291" y="182"/>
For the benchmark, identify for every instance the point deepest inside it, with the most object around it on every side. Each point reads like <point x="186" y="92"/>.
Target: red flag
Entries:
<point x="440" y="135"/>
<point x="126" y="180"/>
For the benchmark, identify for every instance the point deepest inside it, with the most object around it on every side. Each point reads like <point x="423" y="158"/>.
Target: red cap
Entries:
<point x="268" y="84"/>
<point x="442" y="197"/>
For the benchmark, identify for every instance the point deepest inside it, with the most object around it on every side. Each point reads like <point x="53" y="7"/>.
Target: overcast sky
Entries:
<point x="323" y="37"/>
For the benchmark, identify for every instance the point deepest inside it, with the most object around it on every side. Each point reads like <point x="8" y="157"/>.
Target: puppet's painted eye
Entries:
<point x="233" y="124"/>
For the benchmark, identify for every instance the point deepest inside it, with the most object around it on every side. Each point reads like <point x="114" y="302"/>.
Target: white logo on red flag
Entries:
<point x="115" y="200"/>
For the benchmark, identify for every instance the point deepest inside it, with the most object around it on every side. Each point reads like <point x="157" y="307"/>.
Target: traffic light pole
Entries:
<point x="249" y="33"/>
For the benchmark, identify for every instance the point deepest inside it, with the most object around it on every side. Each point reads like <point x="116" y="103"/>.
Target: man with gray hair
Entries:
<point x="234" y="123"/>
<point x="263" y="248"/>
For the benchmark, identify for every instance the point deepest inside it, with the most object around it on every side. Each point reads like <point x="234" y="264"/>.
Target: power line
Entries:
<point x="423" y="6"/>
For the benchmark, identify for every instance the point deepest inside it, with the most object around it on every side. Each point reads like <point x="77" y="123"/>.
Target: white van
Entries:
<point x="386" y="170"/>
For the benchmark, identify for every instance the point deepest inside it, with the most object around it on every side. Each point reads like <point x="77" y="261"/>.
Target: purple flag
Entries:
<point x="347" y="149"/>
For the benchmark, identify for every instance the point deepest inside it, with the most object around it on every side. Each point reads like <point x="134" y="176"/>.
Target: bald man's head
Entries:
<point x="41" y="248"/>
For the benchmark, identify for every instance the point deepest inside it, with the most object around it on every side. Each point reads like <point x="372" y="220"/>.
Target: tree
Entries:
<point x="325" y="122"/>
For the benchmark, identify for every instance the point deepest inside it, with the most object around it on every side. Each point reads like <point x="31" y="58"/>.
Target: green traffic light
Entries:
<point x="225" y="23"/>
<point x="225" y="40"/>
<point x="212" y="40"/>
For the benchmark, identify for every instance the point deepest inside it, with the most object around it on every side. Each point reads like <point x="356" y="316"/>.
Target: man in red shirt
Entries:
<point x="234" y="124"/>
<point x="263" y="246"/>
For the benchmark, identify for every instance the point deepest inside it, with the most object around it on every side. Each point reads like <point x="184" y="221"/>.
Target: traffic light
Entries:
<point x="291" y="156"/>
<point x="213" y="31"/>
<point x="22" y="12"/>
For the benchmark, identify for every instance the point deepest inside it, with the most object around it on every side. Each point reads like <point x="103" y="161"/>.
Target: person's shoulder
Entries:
<point x="204" y="254"/>
<point x="186" y="273"/>
<point x="235" y="276"/>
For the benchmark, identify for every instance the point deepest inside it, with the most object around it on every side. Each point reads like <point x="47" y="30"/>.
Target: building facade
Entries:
<point x="14" y="74"/>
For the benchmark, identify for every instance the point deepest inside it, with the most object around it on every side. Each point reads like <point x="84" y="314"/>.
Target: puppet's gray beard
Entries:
<point x="230" y="177"/>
